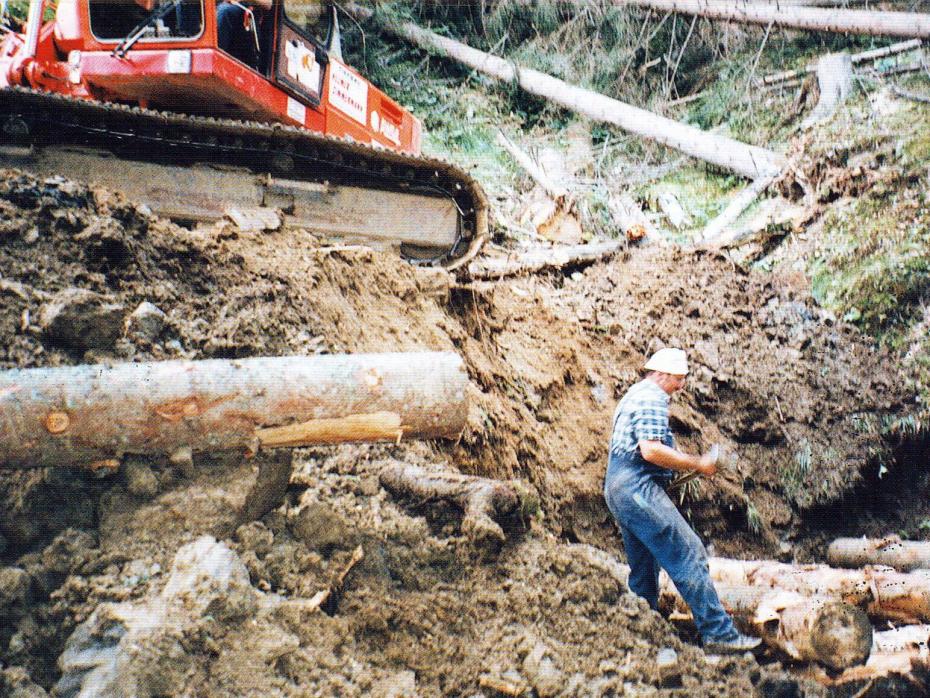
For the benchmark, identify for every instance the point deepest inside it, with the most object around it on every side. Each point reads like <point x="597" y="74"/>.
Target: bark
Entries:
<point x="892" y="551"/>
<point x="881" y="591"/>
<point x="818" y="629"/>
<point x="85" y="414"/>
<point x="749" y="161"/>
<point x="542" y="258"/>
<point x="484" y="501"/>
<point x="904" y="24"/>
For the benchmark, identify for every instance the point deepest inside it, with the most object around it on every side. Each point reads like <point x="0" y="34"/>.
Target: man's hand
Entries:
<point x="707" y="465"/>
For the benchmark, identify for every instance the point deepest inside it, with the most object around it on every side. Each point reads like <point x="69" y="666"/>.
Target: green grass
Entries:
<point x="794" y="478"/>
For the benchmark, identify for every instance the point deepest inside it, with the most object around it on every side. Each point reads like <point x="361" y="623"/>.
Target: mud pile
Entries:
<point x="422" y="613"/>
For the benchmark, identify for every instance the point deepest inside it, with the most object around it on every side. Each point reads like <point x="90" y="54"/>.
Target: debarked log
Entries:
<point x="882" y="592"/>
<point x="899" y="660"/>
<point x="483" y="501"/>
<point x="892" y="551"/>
<point x="809" y="629"/>
<point x="81" y="415"/>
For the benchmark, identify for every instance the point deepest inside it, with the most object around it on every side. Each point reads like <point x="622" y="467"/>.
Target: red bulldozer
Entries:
<point x="204" y="109"/>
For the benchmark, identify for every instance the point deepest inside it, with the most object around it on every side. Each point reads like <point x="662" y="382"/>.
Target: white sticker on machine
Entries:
<point x="297" y="111"/>
<point x="179" y="62"/>
<point x="302" y="65"/>
<point x="348" y="92"/>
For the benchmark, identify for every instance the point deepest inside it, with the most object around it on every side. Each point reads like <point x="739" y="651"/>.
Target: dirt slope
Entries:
<point x="794" y="396"/>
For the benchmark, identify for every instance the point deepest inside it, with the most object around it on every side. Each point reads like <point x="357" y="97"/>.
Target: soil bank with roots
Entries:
<point x="796" y="399"/>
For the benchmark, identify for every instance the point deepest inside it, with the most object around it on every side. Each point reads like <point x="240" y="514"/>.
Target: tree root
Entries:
<point x="483" y="501"/>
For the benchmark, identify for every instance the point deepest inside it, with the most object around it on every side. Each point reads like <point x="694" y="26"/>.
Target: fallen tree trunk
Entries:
<point x="904" y="24"/>
<point x="542" y="258"/>
<point x="881" y="591"/>
<point x="484" y="501"/>
<point x="820" y="629"/>
<point x="892" y="551"/>
<point x="746" y="160"/>
<point x="715" y="231"/>
<point x="85" y="414"/>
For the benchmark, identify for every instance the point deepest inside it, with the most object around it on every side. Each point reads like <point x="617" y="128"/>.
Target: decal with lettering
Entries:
<point x="348" y="92"/>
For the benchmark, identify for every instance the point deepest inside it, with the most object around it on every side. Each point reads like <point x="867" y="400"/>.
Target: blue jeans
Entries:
<point x="655" y="534"/>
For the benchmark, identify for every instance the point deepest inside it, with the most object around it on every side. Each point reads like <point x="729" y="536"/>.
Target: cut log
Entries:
<point x="484" y="501"/>
<point x="881" y="591"/>
<point x="630" y="218"/>
<point x="891" y="551"/>
<point x="82" y="414"/>
<point x="835" y="79"/>
<point x="897" y="665"/>
<point x="820" y="629"/>
<point x="542" y="258"/>
<point x="904" y="24"/>
<point x="906" y="639"/>
<point x="746" y="160"/>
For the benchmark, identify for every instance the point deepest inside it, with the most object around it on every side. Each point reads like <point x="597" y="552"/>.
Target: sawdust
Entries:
<point x="775" y="379"/>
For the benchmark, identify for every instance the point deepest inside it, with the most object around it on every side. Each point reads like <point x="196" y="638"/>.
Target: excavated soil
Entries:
<point x="796" y="398"/>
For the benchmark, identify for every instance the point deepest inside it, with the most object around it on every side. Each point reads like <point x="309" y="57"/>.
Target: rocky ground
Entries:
<point x="149" y="578"/>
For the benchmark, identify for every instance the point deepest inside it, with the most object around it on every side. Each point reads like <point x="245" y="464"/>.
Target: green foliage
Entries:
<point x="794" y="477"/>
<point x="18" y="9"/>
<point x="754" y="520"/>
<point x="874" y="266"/>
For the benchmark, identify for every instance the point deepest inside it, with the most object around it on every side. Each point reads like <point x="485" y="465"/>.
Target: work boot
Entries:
<point x="736" y="645"/>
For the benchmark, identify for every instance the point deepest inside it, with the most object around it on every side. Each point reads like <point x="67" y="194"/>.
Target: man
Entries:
<point x="643" y="461"/>
<point x="243" y="30"/>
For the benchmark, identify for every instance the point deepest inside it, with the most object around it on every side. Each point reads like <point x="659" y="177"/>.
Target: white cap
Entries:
<point x="667" y="360"/>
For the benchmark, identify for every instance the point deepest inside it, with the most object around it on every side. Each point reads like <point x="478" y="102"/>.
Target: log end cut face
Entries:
<point x="841" y="635"/>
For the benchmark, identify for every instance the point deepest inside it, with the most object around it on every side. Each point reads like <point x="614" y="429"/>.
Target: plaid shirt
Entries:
<point x="642" y="415"/>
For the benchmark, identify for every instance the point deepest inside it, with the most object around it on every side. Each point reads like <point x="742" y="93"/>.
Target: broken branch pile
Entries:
<point x="85" y="414"/>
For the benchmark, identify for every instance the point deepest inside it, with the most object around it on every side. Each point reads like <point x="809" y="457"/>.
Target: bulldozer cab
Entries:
<point x="114" y="20"/>
<point x="282" y="37"/>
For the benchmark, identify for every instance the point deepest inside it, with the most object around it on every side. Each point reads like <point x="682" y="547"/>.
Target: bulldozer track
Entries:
<point x="133" y="133"/>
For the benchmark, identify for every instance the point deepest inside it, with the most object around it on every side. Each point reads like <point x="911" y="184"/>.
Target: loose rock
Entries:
<point x="80" y="319"/>
<point x="145" y="323"/>
<point x="139" y="478"/>
<point x="320" y="527"/>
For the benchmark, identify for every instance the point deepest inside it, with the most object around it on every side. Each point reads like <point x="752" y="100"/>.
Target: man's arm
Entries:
<point x="659" y="454"/>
